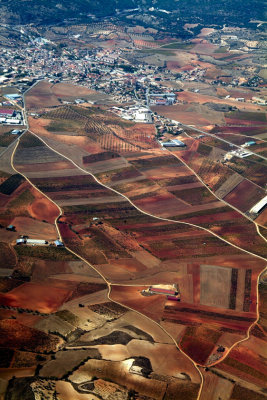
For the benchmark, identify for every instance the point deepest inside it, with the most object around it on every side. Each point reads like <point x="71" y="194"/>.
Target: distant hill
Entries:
<point x="206" y="12"/>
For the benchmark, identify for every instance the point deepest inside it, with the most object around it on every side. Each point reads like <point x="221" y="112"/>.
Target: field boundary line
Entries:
<point x="109" y="285"/>
<point x="219" y="198"/>
<point x="139" y="209"/>
<point x="223" y="140"/>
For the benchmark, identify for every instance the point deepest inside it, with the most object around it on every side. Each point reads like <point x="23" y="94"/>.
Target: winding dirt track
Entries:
<point x="162" y="219"/>
<point x="219" y="198"/>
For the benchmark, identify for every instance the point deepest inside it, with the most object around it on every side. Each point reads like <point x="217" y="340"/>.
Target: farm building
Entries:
<point x="162" y="98"/>
<point x="36" y="241"/>
<point x="11" y="228"/>
<point x="12" y="121"/>
<point x="259" y="206"/>
<point x="173" y="143"/>
<point x="143" y="115"/>
<point x="6" y="113"/>
<point x="58" y="243"/>
<point x="170" y="291"/>
<point x="250" y="143"/>
<point x="20" y="241"/>
<point x="13" y="96"/>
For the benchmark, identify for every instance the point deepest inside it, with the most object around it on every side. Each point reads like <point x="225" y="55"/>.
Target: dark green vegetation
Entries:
<point x="203" y="12"/>
<point x="11" y="184"/>
<point x="6" y="139"/>
<point x="45" y="253"/>
<point x="23" y="199"/>
<point x="29" y="140"/>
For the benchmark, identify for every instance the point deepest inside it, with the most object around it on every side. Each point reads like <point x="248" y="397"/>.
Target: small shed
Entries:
<point x="21" y="241"/>
<point x="58" y="243"/>
<point x="11" y="228"/>
<point x="250" y="143"/>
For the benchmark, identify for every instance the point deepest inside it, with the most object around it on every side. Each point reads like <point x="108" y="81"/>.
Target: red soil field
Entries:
<point x="245" y="130"/>
<point x="190" y="114"/>
<point x="201" y="99"/>
<point x="248" y="357"/>
<point x="194" y="269"/>
<point x="262" y="218"/>
<point x="187" y="314"/>
<point x="213" y="218"/>
<point x="35" y="296"/>
<point x="16" y="335"/>
<point x="34" y="228"/>
<point x="245" y="195"/>
<point x="243" y="371"/>
<point x="164" y="205"/>
<point x="130" y="296"/>
<point x="41" y="96"/>
<point x="44" y="268"/>
<point x="69" y="90"/>
<point x="204" y="48"/>
<point x="67" y="233"/>
<point x="48" y="166"/>
<point x="245" y="122"/>
<point x="44" y="209"/>
<point x="196" y="349"/>
<point x="46" y="94"/>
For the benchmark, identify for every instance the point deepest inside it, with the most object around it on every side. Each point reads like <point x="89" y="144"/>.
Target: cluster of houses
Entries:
<point x="240" y="152"/>
<point x="10" y="116"/>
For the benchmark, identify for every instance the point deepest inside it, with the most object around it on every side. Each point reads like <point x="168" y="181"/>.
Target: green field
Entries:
<point x="177" y="45"/>
<point x="45" y="253"/>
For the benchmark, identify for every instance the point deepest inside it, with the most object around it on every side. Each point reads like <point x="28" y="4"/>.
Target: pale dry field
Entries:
<point x="215" y="284"/>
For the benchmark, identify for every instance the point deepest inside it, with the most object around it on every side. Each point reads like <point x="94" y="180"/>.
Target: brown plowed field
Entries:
<point x="41" y="96"/>
<point x="35" y="229"/>
<point x="50" y="166"/>
<point x="151" y="306"/>
<point x="46" y="94"/>
<point x="35" y="296"/>
<point x="44" y="209"/>
<point x="245" y="195"/>
<point x="201" y="99"/>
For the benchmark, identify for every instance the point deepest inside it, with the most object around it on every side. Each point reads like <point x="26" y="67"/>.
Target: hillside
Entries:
<point x="205" y="12"/>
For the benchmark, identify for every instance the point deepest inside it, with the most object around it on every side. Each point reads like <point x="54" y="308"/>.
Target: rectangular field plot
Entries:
<point x="215" y="284"/>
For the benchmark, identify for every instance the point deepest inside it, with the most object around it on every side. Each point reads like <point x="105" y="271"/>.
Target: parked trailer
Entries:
<point x="173" y="298"/>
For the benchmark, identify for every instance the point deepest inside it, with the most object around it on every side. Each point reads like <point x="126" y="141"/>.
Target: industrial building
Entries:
<point x="143" y="115"/>
<point x="166" y="99"/>
<point x="32" y="242"/>
<point x="135" y="113"/>
<point x="58" y="243"/>
<point x="170" y="291"/>
<point x="16" y="132"/>
<point x="173" y="143"/>
<point x="6" y="113"/>
<point x="259" y="206"/>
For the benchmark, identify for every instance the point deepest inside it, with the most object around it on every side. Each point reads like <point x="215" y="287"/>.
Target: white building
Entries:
<point x="259" y="206"/>
<point x="143" y="115"/>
